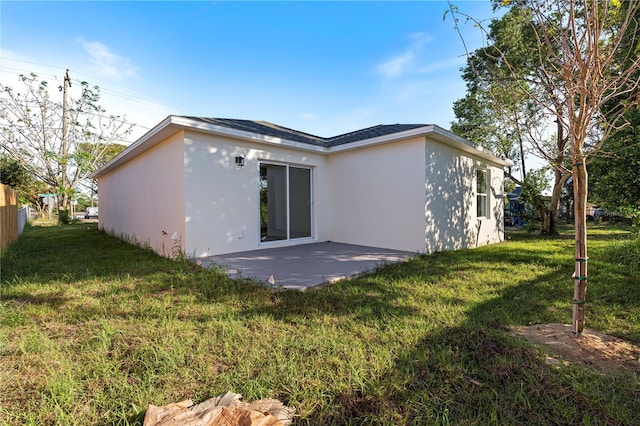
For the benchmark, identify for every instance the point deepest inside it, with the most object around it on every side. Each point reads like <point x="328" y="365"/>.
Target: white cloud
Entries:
<point x="457" y="62"/>
<point x="396" y="66"/>
<point x="405" y="61"/>
<point x="107" y="63"/>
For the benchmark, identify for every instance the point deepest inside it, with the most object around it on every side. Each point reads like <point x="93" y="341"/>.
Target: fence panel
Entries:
<point x="8" y="216"/>
<point x="23" y="217"/>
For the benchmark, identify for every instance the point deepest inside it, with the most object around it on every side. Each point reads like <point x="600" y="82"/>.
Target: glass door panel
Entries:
<point x="299" y="202"/>
<point x="273" y="202"/>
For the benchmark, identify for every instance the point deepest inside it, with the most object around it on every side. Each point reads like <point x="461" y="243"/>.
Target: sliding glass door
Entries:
<point x="285" y="202"/>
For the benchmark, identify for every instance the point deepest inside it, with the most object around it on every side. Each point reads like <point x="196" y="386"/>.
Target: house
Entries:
<point x="514" y="210"/>
<point x="209" y="186"/>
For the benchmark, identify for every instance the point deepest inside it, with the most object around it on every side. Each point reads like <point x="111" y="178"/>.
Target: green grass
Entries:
<point x="93" y="329"/>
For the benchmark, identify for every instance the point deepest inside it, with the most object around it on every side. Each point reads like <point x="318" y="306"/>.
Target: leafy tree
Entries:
<point x="594" y="86"/>
<point x="616" y="170"/>
<point x="86" y="157"/>
<point x="479" y="122"/>
<point x="499" y="111"/>
<point x="12" y="173"/>
<point x="58" y="144"/>
<point x="535" y="182"/>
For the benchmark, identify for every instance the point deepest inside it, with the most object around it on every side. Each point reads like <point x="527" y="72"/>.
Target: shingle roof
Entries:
<point x="370" y="133"/>
<point x="274" y="130"/>
<point x="287" y="136"/>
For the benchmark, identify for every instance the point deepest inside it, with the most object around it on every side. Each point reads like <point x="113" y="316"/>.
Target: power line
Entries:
<point x="107" y="90"/>
<point x="18" y="71"/>
<point x="32" y="63"/>
<point x="20" y="126"/>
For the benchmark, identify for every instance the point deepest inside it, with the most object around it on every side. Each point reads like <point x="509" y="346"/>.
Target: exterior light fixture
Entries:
<point x="239" y="161"/>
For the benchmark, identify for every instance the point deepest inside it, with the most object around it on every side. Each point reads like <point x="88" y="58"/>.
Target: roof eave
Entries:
<point x="451" y="139"/>
<point x="398" y="136"/>
<point x="433" y="131"/>
<point x="154" y="136"/>
<point x="172" y="124"/>
<point x="251" y="136"/>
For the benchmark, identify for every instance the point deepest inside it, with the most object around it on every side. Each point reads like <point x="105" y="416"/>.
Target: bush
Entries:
<point x="63" y="217"/>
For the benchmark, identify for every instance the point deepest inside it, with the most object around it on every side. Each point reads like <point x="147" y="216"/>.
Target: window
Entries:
<point x="481" y="193"/>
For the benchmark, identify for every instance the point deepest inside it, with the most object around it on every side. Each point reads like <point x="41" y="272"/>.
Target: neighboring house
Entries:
<point x="212" y="186"/>
<point x="515" y="211"/>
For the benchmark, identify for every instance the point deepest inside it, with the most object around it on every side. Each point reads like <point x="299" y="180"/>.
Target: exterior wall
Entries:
<point x="143" y="200"/>
<point x="377" y="196"/>
<point x="448" y="198"/>
<point x="451" y="220"/>
<point x="491" y="229"/>
<point x="222" y="201"/>
<point x="416" y="195"/>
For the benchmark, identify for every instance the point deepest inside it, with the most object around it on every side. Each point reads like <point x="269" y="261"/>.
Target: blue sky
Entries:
<point x="325" y="68"/>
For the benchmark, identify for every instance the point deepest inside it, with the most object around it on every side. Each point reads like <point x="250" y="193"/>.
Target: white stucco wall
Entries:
<point x="222" y="201"/>
<point x="377" y="196"/>
<point x="416" y="195"/>
<point x="491" y="229"/>
<point x="450" y="207"/>
<point x="145" y="196"/>
<point x="448" y="204"/>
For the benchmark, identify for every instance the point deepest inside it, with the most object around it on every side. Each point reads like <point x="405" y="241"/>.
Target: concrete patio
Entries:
<point x="307" y="265"/>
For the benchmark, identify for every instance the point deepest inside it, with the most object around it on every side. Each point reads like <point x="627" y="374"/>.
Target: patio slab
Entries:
<point x="307" y="265"/>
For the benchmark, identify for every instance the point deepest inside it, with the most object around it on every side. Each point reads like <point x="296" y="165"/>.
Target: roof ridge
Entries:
<point x="356" y="131"/>
<point x="371" y="132"/>
<point x="288" y="129"/>
<point x="268" y="128"/>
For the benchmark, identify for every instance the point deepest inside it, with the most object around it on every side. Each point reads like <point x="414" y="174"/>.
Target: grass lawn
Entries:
<point x="93" y="329"/>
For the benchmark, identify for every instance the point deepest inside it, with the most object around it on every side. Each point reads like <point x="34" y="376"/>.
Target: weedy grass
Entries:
<point x="93" y="329"/>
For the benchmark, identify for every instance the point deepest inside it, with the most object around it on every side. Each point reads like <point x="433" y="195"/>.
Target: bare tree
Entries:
<point x="503" y="76"/>
<point x="578" y="54"/>
<point x="59" y="144"/>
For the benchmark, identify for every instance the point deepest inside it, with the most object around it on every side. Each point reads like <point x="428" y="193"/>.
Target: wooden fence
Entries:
<point x="8" y="216"/>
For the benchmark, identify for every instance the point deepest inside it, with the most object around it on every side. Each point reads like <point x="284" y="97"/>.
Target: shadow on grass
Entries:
<point x="363" y="300"/>
<point x="475" y="370"/>
<point x="82" y="252"/>
<point x="463" y="368"/>
<point x="37" y="299"/>
<point x="382" y="295"/>
<point x="480" y="373"/>
<point x="75" y="252"/>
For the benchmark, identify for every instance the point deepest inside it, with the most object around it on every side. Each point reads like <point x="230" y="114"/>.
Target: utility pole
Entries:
<point x="65" y="142"/>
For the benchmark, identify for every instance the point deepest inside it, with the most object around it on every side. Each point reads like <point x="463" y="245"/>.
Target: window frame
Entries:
<point x="287" y="202"/>
<point x="482" y="198"/>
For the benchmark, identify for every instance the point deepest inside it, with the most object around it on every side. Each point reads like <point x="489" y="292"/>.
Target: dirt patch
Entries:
<point x="600" y="351"/>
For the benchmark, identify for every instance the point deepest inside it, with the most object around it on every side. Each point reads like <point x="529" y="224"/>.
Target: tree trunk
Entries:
<point x="63" y="207"/>
<point x="546" y="219"/>
<point x="558" y="184"/>
<point x="580" y="186"/>
<point x="559" y="178"/>
<point x="542" y="212"/>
